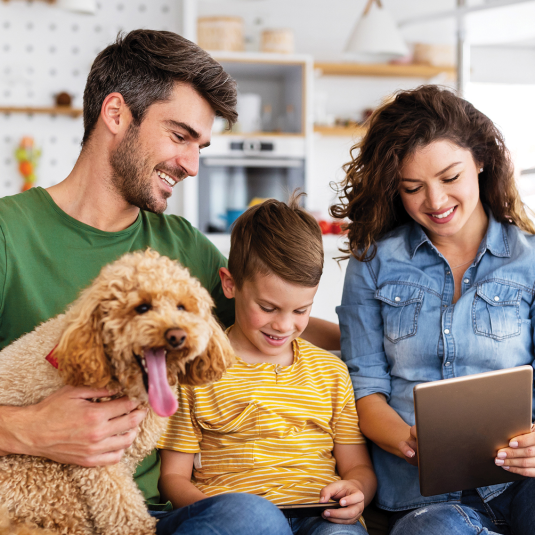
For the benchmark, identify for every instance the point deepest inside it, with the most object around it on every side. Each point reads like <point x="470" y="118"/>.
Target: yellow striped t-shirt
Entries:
<point x="268" y="429"/>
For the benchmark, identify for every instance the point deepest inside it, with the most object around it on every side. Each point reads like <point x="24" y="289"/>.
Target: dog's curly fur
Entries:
<point x="96" y="343"/>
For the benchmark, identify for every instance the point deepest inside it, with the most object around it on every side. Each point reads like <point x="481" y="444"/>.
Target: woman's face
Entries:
<point x="439" y="189"/>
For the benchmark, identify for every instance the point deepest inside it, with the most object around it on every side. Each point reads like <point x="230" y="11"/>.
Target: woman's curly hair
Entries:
<point x="413" y="119"/>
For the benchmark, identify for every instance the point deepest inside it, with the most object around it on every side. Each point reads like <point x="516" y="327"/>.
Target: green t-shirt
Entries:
<point x="47" y="257"/>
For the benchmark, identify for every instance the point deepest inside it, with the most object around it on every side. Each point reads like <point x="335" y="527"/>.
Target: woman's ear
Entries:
<point x="227" y="283"/>
<point x="210" y="365"/>
<point x="80" y="352"/>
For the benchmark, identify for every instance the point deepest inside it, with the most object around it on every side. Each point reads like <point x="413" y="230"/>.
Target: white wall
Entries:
<point x="45" y="50"/>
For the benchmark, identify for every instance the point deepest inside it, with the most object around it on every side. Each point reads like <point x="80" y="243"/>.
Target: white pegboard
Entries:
<point x="45" y="50"/>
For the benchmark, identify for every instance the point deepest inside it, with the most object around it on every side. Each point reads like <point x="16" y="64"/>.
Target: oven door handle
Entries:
<point x="211" y="161"/>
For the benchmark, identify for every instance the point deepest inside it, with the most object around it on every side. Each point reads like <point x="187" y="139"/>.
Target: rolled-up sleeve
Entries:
<point x="361" y="326"/>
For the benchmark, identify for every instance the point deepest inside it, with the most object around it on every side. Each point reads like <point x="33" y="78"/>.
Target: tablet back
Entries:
<point x="462" y="422"/>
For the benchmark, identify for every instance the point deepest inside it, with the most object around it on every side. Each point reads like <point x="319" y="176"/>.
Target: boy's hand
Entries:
<point x="350" y="496"/>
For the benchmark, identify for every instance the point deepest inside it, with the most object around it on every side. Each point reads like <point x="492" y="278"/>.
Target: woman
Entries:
<point x="441" y="249"/>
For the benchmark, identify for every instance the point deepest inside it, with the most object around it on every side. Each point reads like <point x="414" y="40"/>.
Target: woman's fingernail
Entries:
<point x="502" y="455"/>
<point x="505" y="467"/>
<point x="499" y="462"/>
<point x="342" y="502"/>
<point x="513" y="444"/>
<point x="326" y="513"/>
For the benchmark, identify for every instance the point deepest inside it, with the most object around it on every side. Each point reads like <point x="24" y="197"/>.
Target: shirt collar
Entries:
<point x="495" y="240"/>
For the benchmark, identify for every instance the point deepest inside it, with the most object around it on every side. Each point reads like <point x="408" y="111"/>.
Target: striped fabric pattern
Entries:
<point x="267" y="429"/>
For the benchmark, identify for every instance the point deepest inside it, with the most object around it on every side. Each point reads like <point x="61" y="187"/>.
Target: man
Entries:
<point x="149" y="106"/>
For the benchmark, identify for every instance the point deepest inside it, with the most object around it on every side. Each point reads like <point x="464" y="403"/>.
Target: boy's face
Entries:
<point x="270" y="312"/>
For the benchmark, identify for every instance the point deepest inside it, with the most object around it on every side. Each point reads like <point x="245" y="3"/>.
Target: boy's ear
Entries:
<point x="227" y="283"/>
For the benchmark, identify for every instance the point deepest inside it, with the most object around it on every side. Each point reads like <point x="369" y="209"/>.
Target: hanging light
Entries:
<point x="376" y="36"/>
<point x="79" y="6"/>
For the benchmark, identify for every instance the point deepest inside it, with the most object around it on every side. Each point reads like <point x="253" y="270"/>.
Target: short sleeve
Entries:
<point x="182" y="433"/>
<point x="213" y="260"/>
<point x="362" y="331"/>
<point x="3" y="269"/>
<point x="346" y="428"/>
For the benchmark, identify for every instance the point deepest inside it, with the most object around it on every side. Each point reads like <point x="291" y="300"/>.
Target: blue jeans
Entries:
<point x="226" y="514"/>
<point x="510" y="513"/>
<point x="319" y="526"/>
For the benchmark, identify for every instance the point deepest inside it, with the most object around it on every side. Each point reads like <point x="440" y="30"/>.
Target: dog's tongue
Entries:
<point x="161" y="397"/>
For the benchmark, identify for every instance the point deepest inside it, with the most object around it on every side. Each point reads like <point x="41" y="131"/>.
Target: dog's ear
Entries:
<point x="210" y="365"/>
<point x="80" y="352"/>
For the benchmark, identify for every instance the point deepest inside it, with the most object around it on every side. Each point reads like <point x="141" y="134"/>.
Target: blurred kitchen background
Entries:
<point x="309" y="72"/>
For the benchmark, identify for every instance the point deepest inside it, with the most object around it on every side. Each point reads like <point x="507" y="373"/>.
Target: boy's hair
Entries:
<point x="276" y="238"/>
<point x="144" y="66"/>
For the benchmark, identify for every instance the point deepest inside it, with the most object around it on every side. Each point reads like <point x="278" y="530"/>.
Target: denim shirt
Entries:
<point x="400" y="328"/>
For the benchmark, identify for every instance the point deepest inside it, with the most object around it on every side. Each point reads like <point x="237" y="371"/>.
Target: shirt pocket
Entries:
<point x="496" y="310"/>
<point x="402" y="304"/>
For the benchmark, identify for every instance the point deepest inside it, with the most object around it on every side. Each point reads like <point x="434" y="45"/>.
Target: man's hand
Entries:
<point x="409" y="447"/>
<point x="68" y="428"/>
<point x="350" y="497"/>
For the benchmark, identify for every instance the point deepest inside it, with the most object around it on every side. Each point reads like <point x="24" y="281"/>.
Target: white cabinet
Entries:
<point x="266" y="162"/>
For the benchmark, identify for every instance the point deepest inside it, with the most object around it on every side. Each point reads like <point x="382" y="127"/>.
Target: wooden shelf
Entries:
<point x="383" y="69"/>
<point x="57" y="110"/>
<point x="226" y="133"/>
<point x="351" y="131"/>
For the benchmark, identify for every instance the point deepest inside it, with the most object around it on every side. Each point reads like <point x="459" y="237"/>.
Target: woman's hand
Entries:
<point x="519" y="457"/>
<point x="350" y="497"/>
<point x="409" y="447"/>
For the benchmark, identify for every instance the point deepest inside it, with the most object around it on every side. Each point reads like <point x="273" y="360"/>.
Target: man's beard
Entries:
<point x="132" y="174"/>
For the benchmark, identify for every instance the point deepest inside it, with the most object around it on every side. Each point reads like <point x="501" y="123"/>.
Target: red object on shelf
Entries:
<point x="325" y="226"/>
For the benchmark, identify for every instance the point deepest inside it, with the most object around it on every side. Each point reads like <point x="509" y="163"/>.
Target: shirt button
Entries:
<point x="397" y="299"/>
<point x="448" y="273"/>
<point x="466" y="281"/>
<point x="496" y="298"/>
<point x="448" y="364"/>
<point x="278" y="369"/>
<point x="446" y="331"/>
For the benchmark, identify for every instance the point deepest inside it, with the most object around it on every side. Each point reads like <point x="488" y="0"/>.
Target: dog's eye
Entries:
<point x="181" y="307"/>
<point x="144" y="307"/>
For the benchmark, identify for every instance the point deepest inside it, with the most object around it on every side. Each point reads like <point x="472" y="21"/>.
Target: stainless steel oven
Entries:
<point x="235" y="172"/>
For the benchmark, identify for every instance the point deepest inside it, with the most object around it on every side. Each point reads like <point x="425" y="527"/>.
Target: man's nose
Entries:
<point x="189" y="160"/>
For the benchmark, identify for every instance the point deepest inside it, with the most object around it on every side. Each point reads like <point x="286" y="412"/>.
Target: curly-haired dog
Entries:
<point x="143" y="324"/>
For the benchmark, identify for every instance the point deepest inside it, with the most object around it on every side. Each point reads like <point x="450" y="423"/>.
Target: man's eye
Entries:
<point x="144" y="307"/>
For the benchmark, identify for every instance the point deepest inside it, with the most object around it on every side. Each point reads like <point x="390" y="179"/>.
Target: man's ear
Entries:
<point x="227" y="283"/>
<point x="115" y="113"/>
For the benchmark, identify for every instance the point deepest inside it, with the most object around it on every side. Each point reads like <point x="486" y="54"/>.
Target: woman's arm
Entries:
<point x="384" y="426"/>
<point x="175" y="479"/>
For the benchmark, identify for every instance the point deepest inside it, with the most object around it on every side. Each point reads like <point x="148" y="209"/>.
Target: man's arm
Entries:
<point x="68" y="428"/>
<point x="322" y="333"/>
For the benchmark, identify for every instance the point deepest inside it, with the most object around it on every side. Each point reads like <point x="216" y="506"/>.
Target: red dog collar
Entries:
<point x="52" y="359"/>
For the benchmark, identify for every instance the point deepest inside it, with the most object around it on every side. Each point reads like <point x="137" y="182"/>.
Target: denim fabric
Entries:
<point x="226" y="514"/>
<point x="320" y="526"/>
<point x="400" y="328"/>
<point x="511" y="513"/>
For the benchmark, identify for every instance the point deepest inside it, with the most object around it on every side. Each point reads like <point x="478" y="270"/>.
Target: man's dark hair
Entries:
<point x="144" y="65"/>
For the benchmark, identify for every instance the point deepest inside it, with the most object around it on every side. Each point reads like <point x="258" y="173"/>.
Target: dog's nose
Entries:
<point x="175" y="337"/>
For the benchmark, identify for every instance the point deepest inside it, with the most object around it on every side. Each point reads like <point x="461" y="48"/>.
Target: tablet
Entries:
<point x="461" y="424"/>
<point x="299" y="510"/>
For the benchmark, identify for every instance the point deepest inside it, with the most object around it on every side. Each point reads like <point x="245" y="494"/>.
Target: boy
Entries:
<point x="282" y="422"/>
